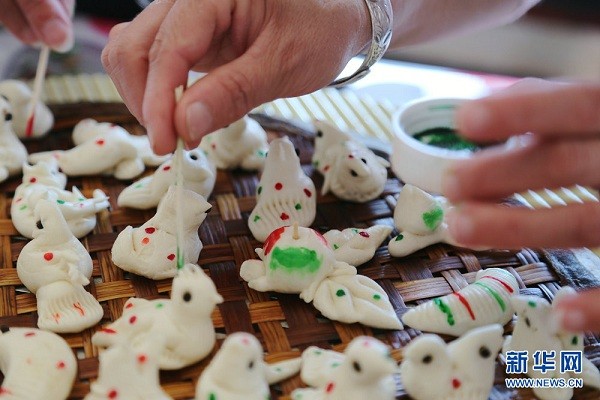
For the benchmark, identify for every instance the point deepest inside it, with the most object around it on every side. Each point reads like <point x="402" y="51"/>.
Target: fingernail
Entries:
<point x="54" y="31"/>
<point x="472" y="117"/>
<point x="460" y="225"/>
<point x="67" y="45"/>
<point x="198" y="120"/>
<point x="555" y="324"/>
<point x="150" y="140"/>
<point x="573" y="320"/>
<point x="192" y="145"/>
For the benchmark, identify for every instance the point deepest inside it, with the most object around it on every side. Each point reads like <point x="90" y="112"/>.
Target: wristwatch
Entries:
<point x="381" y="27"/>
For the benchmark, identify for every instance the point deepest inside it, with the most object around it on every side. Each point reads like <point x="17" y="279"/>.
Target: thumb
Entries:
<point x="51" y="22"/>
<point x="223" y="96"/>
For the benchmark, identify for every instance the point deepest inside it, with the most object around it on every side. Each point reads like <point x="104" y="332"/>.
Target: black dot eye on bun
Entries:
<point x="484" y="352"/>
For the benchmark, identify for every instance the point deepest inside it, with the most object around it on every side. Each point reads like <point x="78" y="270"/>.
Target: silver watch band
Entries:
<point x="381" y="27"/>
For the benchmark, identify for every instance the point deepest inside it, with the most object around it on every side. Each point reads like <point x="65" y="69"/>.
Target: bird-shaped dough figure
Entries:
<point x="365" y="371"/>
<point x="352" y="172"/>
<point x="151" y="249"/>
<point x="243" y="144"/>
<point x="357" y="246"/>
<point x="110" y="152"/>
<point x="485" y="301"/>
<point x="238" y="371"/>
<point x="55" y="266"/>
<point x="45" y="181"/>
<point x="181" y="329"/>
<point x="461" y="370"/>
<point x="535" y="331"/>
<point x="284" y="195"/>
<point x="12" y="152"/>
<point x="19" y="95"/>
<point x="299" y="260"/>
<point x="127" y="374"/>
<point x="36" y="365"/>
<point x="327" y="137"/>
<point x="420" y="219"/>
<point x="89" y="128"/>
<point x="199" y="175"/>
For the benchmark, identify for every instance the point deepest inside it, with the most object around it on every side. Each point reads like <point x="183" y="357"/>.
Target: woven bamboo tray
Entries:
<point x="284" y="324"/>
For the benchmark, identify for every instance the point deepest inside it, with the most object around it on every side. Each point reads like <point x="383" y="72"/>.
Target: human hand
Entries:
<point x="562" y="150"/>
<point x="46" y="21"/>
<point x="254" y="50"/>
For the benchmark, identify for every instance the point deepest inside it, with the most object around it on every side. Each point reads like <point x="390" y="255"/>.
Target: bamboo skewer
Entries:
<point x="40" y="75"/>
<point x="178" y="161"/>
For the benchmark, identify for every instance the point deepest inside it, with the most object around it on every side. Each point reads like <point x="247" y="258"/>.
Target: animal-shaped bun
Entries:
<point x="285" y="194"/>
<point x="19" y="95"/>
<point x="460" y="370"/>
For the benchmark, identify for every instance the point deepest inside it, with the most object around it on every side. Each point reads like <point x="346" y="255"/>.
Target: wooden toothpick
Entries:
<point x="40" y="75"/>
<point x="296" y="234"/>
<point x="178" y="161"/>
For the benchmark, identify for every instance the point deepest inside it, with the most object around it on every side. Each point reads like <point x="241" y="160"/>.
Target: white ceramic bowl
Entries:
<point x="418" y="163"/>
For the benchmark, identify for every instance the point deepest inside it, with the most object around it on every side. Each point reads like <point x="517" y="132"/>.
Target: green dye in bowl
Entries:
<point x="445" y="138"/>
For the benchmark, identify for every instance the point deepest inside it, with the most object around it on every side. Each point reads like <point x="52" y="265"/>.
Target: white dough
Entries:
<point x="357" y="246"/>
<point x="352" y="171"/>
<point x="127" y="374"/>
<point x="55" y="266"/>
<point x="420" y="218"/>
<point x="36" y="365"/>
<point x="299" y="260"/>
<point x="364" y="371"/>
<point x="88" y="129"/>
<point x="535" y="330"/>
<point x="461" y="370"/>
<point x="151" y="249"/>
<point x="285" y="194"/>
<point x="199" y="176"/>
<point x="19" y="95"/>
<point x="107" y="152"/>
<point x="238" y="371"/>
<point x="243" y="144"/>
<point x="486" y="301"/>
<point x="44" y="181"/>
<point x="12" y="152"/>
<point x="328" y="136"/>
<point x="180" y="329"/>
